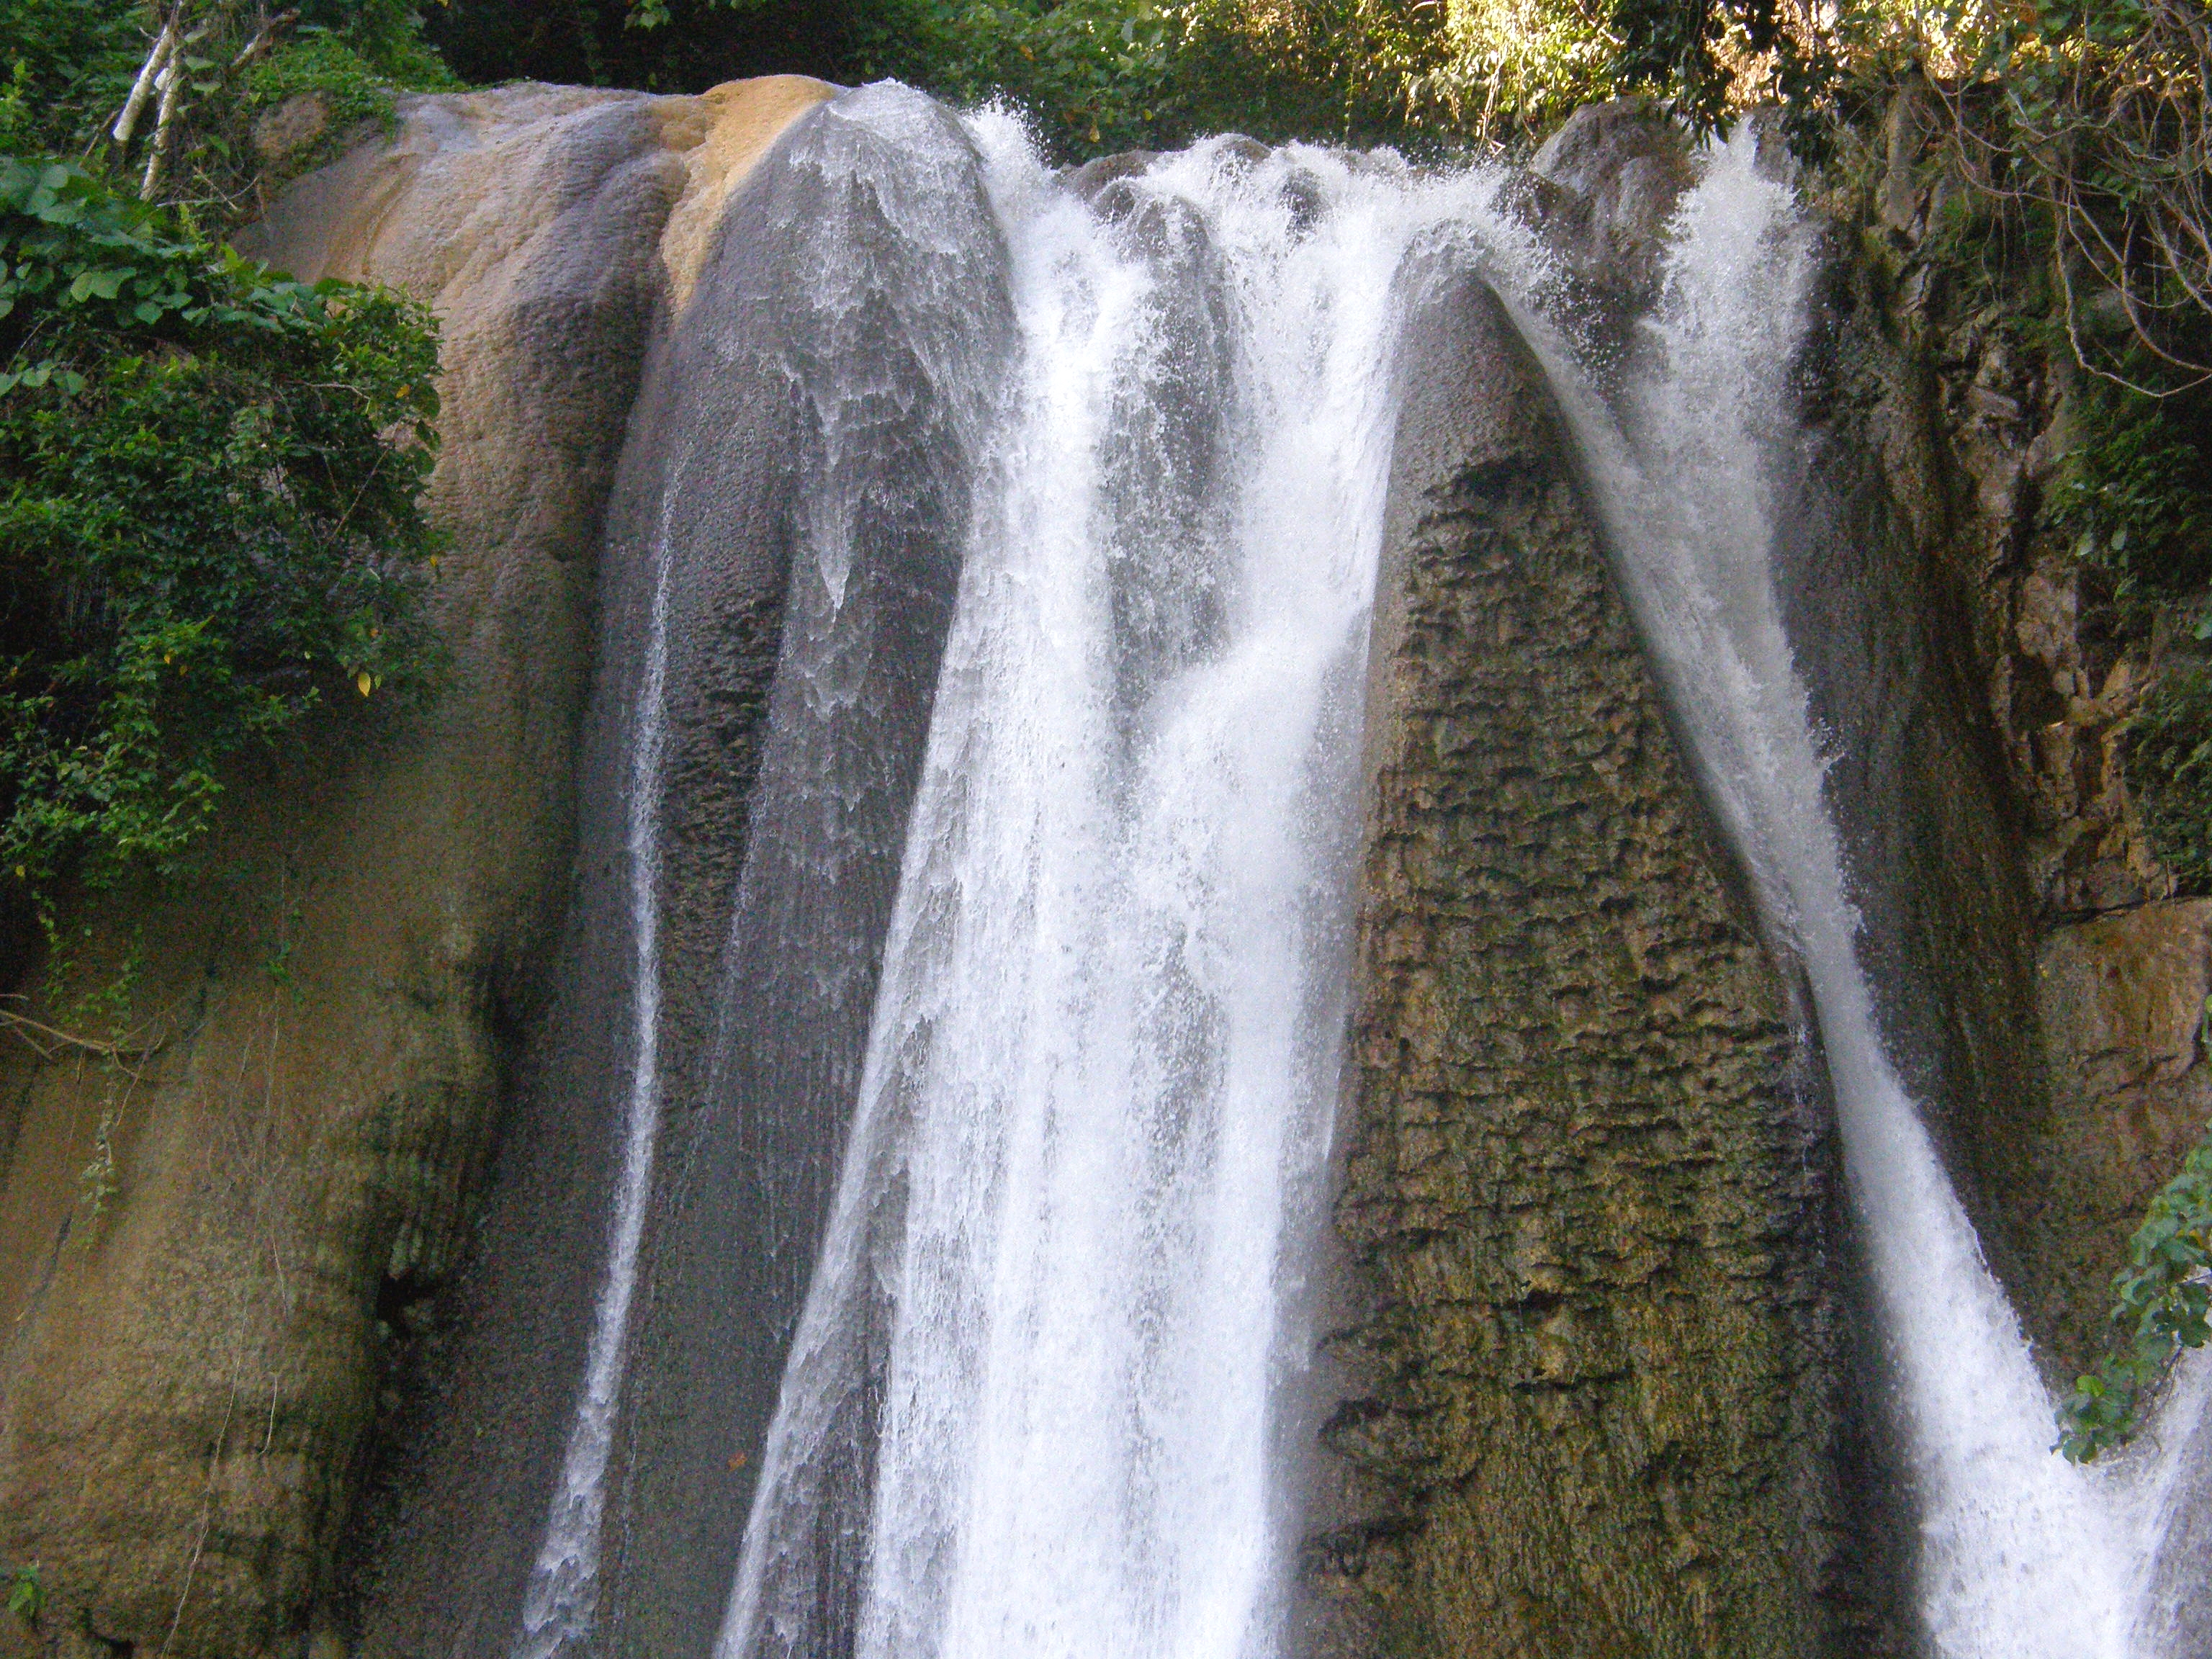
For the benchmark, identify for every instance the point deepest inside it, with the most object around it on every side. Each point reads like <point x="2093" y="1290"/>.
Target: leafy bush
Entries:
<point x="2161" y="1301"/>
<point x="1107" y="74"/>
<point x="323" y="65"/>
<point x="2169" y="768"/>
<point x="2136" y="494"/>
<point x="65" y="66"/>
<point x="209" y="478"/>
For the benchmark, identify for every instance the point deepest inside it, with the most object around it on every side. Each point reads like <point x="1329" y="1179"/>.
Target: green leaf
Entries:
<point x="26" y="1594"/>
<point x="106" y="283"/>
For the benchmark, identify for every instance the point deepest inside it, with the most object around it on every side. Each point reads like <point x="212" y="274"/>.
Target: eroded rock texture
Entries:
<point x="1583" y="1186"/>
<point x="191" y="1362"/>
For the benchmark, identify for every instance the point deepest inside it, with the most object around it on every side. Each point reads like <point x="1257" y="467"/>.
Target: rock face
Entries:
<point x="1976" y="677"/>
<point x="1583" y="1187"/>
<point x="192" y="1362"/>
<point x="2122" y="1003"/>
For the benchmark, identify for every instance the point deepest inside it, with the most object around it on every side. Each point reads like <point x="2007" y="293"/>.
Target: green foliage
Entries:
<point x="384" y="35"/>
<point x="1696" y="53"/>
<point x="1097" y="71"/>
<point x="27" y="1594"/>
<point x="2160" y="1302"/>
<point x="1102" y="76"/>
<point x="2137" y="495"/>
<point x="351" y="90"/>
<point x="2093" y="113"/>
<point x="66" y="66"/>
<point x="1512" y="68"/>
<point x="209" y="520"/>
<point x="2168" y="761"/>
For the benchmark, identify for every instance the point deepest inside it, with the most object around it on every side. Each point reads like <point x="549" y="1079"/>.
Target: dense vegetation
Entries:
<point x="209" y="474"/>
<point x="208" y="522"/>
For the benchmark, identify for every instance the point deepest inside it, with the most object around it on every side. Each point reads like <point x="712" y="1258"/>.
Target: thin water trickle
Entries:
<point x="558" y="1604"/>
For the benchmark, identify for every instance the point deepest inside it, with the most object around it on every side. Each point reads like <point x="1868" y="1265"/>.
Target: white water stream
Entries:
<point x="1064" y="1262"/>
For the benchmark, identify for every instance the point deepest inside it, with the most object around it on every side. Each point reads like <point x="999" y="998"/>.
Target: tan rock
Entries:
<point x="2123" y="996"/>
<point x="2121" y="1002"/>
<point x="291" y="128"/>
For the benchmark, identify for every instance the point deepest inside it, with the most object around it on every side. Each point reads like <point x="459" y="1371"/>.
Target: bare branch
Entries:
<point x="126" y="122"/>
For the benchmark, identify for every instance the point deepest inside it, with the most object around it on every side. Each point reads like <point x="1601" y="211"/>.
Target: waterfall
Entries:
<point x="1693" y="464"/>
<point x="1028" y="1411"/>
<point x="1033" y="1402"/>
<point x="805" y="451"/>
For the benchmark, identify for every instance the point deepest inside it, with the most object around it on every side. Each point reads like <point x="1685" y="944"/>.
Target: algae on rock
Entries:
<point x="1583" y="1184"/>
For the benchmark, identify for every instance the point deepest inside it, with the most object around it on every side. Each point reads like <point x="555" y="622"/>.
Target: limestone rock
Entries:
<point x="2121" y="999"/>
<point x="291" y="128"/>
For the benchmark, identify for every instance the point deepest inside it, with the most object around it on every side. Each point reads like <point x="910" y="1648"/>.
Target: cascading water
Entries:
<point x="1029" y="1408"/>
<point x="1693" y="466"/>
<point x="818" y="400"/>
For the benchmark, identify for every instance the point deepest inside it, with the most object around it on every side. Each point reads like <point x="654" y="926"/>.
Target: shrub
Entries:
<point x="2160" y="1300"/>
<point x="209" y="521"/>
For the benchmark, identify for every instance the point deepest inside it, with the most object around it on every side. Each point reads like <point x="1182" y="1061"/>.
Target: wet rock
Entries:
<point x="1631" y="164"/>
<point x="1093" y="177"/>
<point x="2121" y="999"/>
<point x="1591" y="1408"/>
<point x="2019" y="856"/>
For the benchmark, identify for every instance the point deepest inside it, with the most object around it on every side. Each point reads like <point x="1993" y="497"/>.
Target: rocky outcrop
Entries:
<point x="209" y="1251"/>
<point x="1584" y="1192"/>
<point x="2121" y="999"/>
<point x="1979" y="680"/>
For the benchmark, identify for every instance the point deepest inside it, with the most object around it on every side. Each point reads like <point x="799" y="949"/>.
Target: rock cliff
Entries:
<point x="1979" y="676"/>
